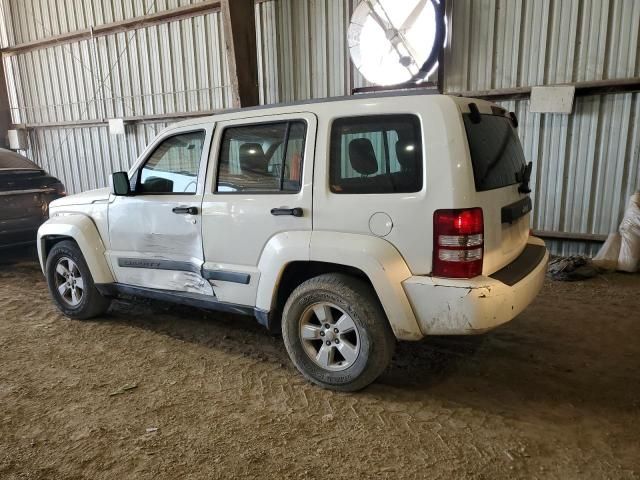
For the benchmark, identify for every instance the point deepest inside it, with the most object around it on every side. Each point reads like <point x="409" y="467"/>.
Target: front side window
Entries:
<point x="376" y="154"/>
<point x="173" y="166"/>
<point x="261" y="158"/>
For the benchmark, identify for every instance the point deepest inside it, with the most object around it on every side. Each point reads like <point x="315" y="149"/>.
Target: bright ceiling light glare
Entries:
<point x="409" y="148"/>
<point x="391" y="40"/>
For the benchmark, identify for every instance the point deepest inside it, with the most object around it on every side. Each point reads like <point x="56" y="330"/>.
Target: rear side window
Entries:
<point x="262" y="158"/>
<point x="376" y="154"/>
<point x="496" y="153"/>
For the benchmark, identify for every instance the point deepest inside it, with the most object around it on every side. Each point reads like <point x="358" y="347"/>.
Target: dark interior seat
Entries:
<point x="362" y="156"/>
<point x="253" y="159"/>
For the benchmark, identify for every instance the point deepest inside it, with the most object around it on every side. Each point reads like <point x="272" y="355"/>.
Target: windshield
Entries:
<point x="496" y="153"/>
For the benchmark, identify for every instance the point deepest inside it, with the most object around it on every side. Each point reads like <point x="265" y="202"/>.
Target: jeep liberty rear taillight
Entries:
<point x="458" y="243"/>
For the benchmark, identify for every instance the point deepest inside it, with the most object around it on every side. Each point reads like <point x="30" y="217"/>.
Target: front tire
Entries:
<point x="336" y="333"/>
<point x="71" y="284"/>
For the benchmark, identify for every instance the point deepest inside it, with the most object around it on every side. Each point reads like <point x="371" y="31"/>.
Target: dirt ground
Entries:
<point x="158" y="391"/>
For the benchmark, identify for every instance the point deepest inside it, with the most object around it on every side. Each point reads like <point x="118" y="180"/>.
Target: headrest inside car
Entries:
<point x="406" y="153"/>
<point x="362" y="157"/>
<point x="252" y="157"/>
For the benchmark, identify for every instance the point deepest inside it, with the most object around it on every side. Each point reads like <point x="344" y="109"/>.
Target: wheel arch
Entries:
<point x="80" y="229"/>
<point x="297" y="272"/>
<point x="370" y="258"/>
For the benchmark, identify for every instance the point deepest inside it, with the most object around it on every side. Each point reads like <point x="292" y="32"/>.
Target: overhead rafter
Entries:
<point x="122" y="26"/>
<point x="164" y="16"/>
<point x="599" y="87"/>
<point x="152" y="118"/>
<point x="583" y="89"/>
<point x="238" y="18"/>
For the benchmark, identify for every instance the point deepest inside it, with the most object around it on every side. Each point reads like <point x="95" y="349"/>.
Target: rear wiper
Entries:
<point x="524" y="177"/>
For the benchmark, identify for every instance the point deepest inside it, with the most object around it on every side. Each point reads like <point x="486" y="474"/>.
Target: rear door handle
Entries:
<point x="296" y="212"/>
<point x="185" y="210"/>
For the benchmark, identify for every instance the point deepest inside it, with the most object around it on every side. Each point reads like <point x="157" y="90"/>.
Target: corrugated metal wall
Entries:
<point x="303" y="50"/>
<point x="303" y="46"/>
<point x="143" y="72"/>
<point x="85" y="157"/>
<point x="586" y="163"/>
<point x="148" y="71"/>
<point x="177" y="66"/>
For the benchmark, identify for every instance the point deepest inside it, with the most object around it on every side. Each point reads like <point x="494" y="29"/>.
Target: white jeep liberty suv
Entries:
<point x="347" y="223"/>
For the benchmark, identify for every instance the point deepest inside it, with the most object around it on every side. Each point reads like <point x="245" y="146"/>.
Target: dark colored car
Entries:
<point x="25" y="193"/>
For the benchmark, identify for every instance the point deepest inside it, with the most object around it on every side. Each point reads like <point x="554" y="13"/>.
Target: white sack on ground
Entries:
<point x="629" y="258"/>
<point x="607" y="257"/>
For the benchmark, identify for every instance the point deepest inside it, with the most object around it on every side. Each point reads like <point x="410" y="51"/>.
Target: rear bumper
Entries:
<point x="461" y="307"/>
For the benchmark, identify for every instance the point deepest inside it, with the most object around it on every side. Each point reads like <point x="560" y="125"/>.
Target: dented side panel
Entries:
<point x="155" y="240"/>
<point x="146" y="228"/>
<point x="165" y="279"/>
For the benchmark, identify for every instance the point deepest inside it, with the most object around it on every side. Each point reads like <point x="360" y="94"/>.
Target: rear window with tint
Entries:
<point x="376" y="154"/>
<point x="496" y="152"/>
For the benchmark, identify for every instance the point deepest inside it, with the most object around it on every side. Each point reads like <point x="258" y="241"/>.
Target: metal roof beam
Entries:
<point x="121" y="26"/>
<point x="583" y="89"/>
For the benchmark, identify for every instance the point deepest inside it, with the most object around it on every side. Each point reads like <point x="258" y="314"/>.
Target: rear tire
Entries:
<point x="70" y="283"/>
<point x="336" y="332"/>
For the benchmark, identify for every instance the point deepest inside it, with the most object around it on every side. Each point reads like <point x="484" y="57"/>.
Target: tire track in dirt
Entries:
<point x="227" y="401"/>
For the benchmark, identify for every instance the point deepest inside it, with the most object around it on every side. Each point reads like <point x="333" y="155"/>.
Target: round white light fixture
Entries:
<point x="396" y="41"/>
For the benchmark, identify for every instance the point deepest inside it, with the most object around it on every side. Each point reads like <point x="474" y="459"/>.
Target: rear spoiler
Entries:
<point x="476" y="117"/>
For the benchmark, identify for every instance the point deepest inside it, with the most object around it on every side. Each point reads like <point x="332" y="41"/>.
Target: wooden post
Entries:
<point x="238" y="17"/>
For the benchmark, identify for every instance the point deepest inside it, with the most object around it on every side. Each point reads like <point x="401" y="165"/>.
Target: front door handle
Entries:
<point x="296" y="212"/>
<point x="185" y="210"/>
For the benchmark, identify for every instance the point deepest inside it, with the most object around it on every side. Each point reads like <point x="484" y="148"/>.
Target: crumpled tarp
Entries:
<point x="571" y="269"/>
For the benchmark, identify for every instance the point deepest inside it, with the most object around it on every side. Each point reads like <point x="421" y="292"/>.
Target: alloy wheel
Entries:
<point x="69" y="281"/>
<point x="329" y="336"/>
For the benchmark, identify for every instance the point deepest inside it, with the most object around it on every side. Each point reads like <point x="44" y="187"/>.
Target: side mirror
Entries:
<point x="120" y="184"/>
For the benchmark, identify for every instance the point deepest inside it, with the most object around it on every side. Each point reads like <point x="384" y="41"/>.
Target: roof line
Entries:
<point x="358" y="96"/>
<point x="175" y="117"/>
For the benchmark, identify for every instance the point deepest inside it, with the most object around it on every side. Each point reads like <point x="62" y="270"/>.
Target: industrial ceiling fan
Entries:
<point x="396" y="41"/>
